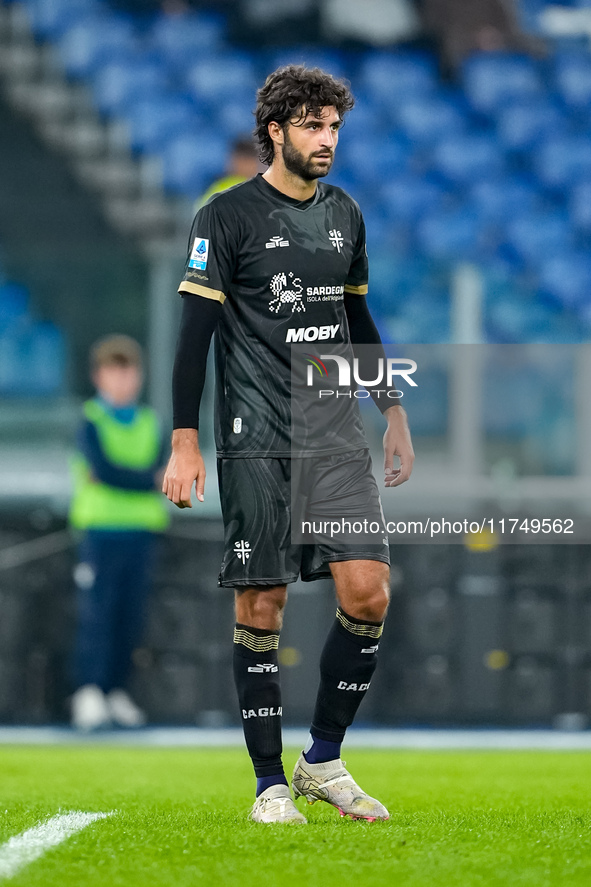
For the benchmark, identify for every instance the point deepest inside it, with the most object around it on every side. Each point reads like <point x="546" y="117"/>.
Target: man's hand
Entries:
<point x="185" y="466"/>
<point x="397" y="442"/>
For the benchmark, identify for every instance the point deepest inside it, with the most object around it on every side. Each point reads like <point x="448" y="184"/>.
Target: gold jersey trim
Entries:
<point x="254" y="642"/>
<point x="356" y="290"/>
<point x="364" y="631"/>
<point x="198" y="290"/>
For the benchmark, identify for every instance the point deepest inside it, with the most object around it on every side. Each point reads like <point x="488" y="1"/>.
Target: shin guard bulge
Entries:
<point x="347" y="664"/>
<point x="256" y="675"/>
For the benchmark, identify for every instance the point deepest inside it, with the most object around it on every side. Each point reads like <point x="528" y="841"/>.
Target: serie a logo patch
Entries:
<point x="199" y="254"/>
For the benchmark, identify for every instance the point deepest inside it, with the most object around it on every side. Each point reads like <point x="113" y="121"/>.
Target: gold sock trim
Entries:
<point x="364" y="631"/>
<point x="254" y="642"/>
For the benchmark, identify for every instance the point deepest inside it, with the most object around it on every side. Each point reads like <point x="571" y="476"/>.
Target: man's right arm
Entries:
<point x="199" y="319"/>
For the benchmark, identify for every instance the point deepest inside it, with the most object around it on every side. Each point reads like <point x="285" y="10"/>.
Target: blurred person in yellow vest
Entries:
<point x="243" y="163"/>
<point x="120" y="515"/>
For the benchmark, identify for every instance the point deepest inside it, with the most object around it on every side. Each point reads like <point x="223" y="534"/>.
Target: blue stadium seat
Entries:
<point x="374" y="161"/>
<point x="187" y="32"/>
<point x="152" y="120"/>
<point x="580" y="206"/>
<point x="529" y="14"/>
<point x="51" y="18"/>
<point x="311" y="56"/>
<point x="394" y="76"/>
<point x="426" y="119"/>
<point x="14" y="304"/>
<point x="191" y="161"/>
<point x="497" y="198"/>
<point x="180" y="39"/>
<point x="212" y="27"/>
<point x="563" y="160"/>
<point x="382" y="235"/>
<point x="94" y="39"/>
<point x="32" y="360"/>
<point x="384" y="295"/>
<point x="366" y="120"/>
<point x="235" y="118"/>
<point x="394" y="280"/>
<point x="452" y="234"/>
<point x="567" y="279"/>
<point x="43" y="360"/>
<point x="514" y="317"/>
<point x="572" y="79"/>
<point x="408" y="197"/>
<point x="535" y="236"/>
<point x="120" y="83"/>
<point x="522" y="125"/>
<point x="341" y="176"/>
<point x="492" y="79"/>
<point x="464" y="159"/>
<point x="224" y="77"/>
<point x="533" y="320"/>
<point x="424" y="318"/>
<point x="10" y="364"/>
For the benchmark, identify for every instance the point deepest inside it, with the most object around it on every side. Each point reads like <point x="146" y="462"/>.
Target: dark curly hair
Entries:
<point x="296" y="91"/>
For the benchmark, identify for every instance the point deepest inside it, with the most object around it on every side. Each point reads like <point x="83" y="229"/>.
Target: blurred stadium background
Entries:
<point x="472" y="164"/>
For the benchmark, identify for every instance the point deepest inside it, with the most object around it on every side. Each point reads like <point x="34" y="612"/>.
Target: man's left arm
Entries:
<point x="397" y="441"/>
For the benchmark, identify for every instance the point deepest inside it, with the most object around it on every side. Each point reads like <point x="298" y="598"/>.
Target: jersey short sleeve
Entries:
<point x="356" y="283"/>
<point x="211" y="257"/>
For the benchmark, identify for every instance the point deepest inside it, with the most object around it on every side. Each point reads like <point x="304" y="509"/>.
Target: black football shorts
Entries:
<point x="289" y="517"/>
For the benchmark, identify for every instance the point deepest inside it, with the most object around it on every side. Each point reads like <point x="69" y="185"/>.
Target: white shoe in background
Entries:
<point x="275" y="805"/>
<point x="123" y="710"/>
<point x="89" y="708"/>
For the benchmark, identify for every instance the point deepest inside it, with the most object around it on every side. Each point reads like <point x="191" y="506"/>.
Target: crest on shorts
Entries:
<point x="242" y="550"/>
<point x="287" y="292"/>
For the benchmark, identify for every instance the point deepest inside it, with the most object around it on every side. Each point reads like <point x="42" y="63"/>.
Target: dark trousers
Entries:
<point x="113" y="580"/>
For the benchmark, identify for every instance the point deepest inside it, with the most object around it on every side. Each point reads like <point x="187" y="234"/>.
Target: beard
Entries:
<point x="307" y="168"/>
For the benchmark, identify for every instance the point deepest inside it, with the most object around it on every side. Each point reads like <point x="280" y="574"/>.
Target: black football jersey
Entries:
<point x="280" y="267"/>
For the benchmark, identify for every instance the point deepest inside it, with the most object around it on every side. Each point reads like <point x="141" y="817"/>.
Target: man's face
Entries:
<point x="309" y="144"/>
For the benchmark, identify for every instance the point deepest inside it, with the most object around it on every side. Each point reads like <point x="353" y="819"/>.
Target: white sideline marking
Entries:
<point x="34" y="549"/>
<point x="23" y="849"/>
<point x="395" y="738"/>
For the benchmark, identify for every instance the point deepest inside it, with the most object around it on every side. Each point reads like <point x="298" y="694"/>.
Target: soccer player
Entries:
<point x="256" y="254"/>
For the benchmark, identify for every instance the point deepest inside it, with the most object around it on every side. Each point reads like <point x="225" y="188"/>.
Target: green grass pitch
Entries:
<point x="457" y="818"/>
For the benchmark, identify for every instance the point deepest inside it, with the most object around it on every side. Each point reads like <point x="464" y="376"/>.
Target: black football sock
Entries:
<point x="347" y="664"/>
<point x="256" y="674"/>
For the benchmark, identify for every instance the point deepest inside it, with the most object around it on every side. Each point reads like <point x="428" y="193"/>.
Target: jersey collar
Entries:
<point x="275" y="194"/>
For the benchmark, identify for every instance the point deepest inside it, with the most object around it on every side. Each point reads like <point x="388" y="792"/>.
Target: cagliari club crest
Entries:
<point x="287" y="291"/>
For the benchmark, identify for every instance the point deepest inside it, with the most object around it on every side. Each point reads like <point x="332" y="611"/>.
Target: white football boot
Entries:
<point x="123" y="710"/>
<point x="332" y="783"/>
<point x="89" y="708"/>
<point x="275" y="805"/>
